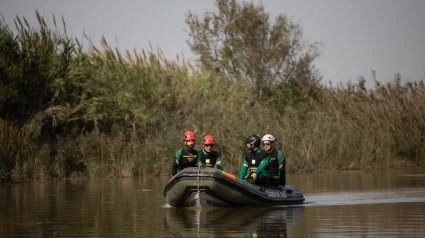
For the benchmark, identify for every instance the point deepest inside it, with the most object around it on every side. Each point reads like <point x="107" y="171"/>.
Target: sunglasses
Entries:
<point x="266" y="144"/>
<point x="208" y="145"/>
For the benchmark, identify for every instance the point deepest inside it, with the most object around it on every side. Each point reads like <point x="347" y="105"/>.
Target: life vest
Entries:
<point x="254" y="159"/>
<point x="209" y="159"/>
<point x="187" y="158"/>
<point x="274" y="164"/>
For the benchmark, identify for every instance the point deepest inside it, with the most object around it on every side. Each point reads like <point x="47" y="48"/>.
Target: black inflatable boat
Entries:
<point x="201" y="186"/>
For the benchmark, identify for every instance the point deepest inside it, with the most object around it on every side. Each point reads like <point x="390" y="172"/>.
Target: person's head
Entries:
<point x="253" y="142"/>
<point x="208" y="143"/>
<point x="189" y="139"/>
<point x="268" y="142"/>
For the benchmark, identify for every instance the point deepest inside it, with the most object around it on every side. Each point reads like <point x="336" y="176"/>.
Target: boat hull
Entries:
<point x="211" y="187"/>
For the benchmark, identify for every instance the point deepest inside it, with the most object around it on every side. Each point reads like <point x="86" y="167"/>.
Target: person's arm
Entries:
<point x="176" y="162"/>
<point x="243" y="169"/>
<point x="263" y="164"/>
<point x="218" y="164"/>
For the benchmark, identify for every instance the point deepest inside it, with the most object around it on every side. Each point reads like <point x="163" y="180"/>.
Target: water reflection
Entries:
<point x="80" y="208"/>
<point x="337" y="205"/>
<point x="364" y="220"/>
<point x="231" y="222"/>
<point x="399" y="195"/>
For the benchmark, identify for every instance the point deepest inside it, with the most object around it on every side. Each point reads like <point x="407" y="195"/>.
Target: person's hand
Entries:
<point x="281" y="187"/>
<point x="254" y="176"/>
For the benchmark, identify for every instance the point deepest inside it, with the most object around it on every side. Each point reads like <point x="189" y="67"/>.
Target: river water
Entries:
<point x="341" y="204"/>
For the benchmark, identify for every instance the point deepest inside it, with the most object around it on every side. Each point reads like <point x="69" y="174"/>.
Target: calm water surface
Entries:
<point x="342" y="204"/>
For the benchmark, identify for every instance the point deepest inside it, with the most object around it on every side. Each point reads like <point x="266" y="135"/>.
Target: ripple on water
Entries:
<point x="399" y="195"/>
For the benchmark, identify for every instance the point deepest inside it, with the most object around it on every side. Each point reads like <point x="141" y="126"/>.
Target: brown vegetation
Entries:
<point x="66" y="112"/>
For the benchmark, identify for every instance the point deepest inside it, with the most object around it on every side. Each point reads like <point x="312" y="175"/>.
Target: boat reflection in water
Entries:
<point x="231" y="222"/>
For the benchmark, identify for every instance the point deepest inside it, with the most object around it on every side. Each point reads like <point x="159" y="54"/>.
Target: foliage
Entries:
<point x="66" y="112"/>
<point x="240" y="41"/>
<point x="14" y="149"/>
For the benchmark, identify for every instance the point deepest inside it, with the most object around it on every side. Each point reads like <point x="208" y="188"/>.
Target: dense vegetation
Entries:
<point x="239" y="40"/>
<point x="68" y="112"/>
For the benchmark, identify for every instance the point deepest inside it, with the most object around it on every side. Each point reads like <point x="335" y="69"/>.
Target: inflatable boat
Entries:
<point x="201" y="186"/>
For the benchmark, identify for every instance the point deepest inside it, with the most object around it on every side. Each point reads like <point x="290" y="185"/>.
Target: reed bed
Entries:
<point x="66" y="112"/>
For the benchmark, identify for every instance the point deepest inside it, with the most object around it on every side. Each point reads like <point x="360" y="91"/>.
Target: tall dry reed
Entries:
<point x="103" y="113"/>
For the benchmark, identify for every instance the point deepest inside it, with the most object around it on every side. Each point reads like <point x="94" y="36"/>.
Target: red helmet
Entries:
<point x="189" y="135"/>
<point x="208" y="140"/>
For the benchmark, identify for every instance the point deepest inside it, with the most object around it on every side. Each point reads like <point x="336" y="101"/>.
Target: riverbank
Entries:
<point x="67" y="112"/>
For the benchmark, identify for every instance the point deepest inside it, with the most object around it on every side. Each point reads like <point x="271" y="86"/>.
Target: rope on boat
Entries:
<point x="197" y="197"/>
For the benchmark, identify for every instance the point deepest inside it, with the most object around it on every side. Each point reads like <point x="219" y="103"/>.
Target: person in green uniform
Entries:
<point x="208" y="156"/>
<point x="187" y="156"/>
<point x="256" y="162"/>
<point x="277" y="169"/>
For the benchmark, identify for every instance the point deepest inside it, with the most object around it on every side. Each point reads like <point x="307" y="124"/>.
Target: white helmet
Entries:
<point x="268" y="137"/>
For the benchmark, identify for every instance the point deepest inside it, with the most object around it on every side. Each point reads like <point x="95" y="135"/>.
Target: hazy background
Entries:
<point x="387" y="36"/>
